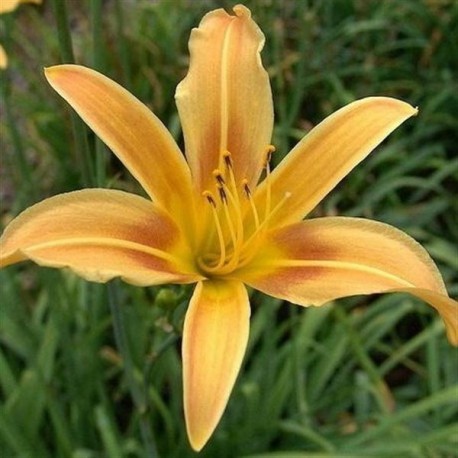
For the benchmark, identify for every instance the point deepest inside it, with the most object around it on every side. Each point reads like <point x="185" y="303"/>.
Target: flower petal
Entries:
<point x="100" y="234"/>
<point x="318" y="260"/>
<point x="329" y="152"/>
<point x="225" y="101"/>
<point x="215" y="336"/>
<point x="131" y="130"/>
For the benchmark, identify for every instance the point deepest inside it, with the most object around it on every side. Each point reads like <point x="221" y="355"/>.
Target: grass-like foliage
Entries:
<point x="367" y="376"/>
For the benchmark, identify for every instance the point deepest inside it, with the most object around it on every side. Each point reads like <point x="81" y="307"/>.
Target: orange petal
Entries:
<point x="318" y="260"/>
<point x="225" y="101"/>
<point x="132" y="131"/>
<point x="100" y="234"/>
<point x="215" y="336"/>
<point x="329" y="152"/>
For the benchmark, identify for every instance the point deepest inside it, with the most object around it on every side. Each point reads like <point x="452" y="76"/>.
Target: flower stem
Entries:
<point x="122" y="45"/>
<point x="19" y="158"/>
<point x="98" y="63"/>
<point x="67" y="56"/>
<point x="137" y="392"/>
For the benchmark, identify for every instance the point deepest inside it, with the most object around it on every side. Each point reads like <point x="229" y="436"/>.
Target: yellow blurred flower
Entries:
<point x="7" y="6"/>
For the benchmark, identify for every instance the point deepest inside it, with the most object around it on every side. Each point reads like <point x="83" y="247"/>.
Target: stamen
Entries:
<point x="235" y="232"/>
<point x="209" y="196"/>
<point x="230" y="195"/>
<point x="247" y="190"/>
<point x="249" y="248"/>
<point x="269" y="151"/>
<point x="227" y="159"/>
<point x="222" y="246"/>
<point x="219" y="177"/>
<point x="228" y="213"/>
<point x="229" y="222"/>
<point x="222" y="194"/>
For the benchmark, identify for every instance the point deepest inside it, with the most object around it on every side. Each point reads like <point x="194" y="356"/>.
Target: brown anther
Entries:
<point x="222" y="194"/>
<point x="219" y="177"/>
<point x="227" y="159"/>
<point x="209" y="196"/>
<point x="246" y="188"/>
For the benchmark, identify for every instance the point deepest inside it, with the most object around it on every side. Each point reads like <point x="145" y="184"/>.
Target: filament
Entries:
<point x="219" y="231"/>
<point x="247" y="190"/>
<point x="269" y="151"/>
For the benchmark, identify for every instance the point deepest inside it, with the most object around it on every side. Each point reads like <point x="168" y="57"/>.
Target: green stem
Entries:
<point x="98" y="63"/>
<point x="137" y="392"/>
<point x="18" y="156"/>
<point x="63" y="31"/>
<point x="98" y="57"/>
<point x="67" y="56"/>
<point x="381" y="390"/>
<point x="122" y="45"/>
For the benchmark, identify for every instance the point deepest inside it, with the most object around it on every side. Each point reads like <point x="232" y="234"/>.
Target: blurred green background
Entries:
<point x="363" y="377"/>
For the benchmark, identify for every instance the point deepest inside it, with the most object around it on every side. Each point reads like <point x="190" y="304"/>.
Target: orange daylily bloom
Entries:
<point x="7" y="6"/>
<point x="210" y="222"/>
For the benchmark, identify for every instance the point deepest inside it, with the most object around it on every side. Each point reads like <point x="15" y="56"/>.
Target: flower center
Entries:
<point x="237" y="225"/>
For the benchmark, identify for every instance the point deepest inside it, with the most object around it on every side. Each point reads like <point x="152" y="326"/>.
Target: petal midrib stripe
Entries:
<point x="107" y="242"/>
<point x="224" y="101"/>
<point x="343" y="266"/>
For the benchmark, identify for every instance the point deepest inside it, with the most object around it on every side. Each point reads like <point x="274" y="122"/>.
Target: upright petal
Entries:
<point x="225" y="101"/>
<point x="318" y="260"/>
<point x="329" y="152"/>
<point x="100" y="234"/>
<point x="214" y="341"/>
<point x="131" y="131"/>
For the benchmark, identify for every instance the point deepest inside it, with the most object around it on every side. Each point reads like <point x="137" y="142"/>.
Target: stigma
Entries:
<point x="236" y="227"/>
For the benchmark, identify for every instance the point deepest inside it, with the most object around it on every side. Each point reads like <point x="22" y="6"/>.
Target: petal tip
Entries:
<point x="197" y="442"/>
<point x="51" y="71"/>
<point x="241" y="11"/>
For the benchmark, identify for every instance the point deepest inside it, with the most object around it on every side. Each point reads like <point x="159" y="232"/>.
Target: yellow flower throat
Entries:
<point x="236" y="225"/>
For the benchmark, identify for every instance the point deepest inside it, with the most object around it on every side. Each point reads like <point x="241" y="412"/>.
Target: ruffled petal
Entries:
<point x="214" y="341"/>
<point x="131" y="131"/>
<point x="318" y="260"/>
<point x="225" y="101"/>
<point x="329" y="152"/>
<point x="100" y="234"/>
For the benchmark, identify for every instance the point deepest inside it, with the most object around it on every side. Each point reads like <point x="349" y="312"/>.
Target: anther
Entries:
<point x="227" y="159"/>
<point x="219" y="177"/>
<point x="209" y="196"/>
<point x="269" y="151"/>
<point x="222" y="194"/>
<point x="246" y="188"/>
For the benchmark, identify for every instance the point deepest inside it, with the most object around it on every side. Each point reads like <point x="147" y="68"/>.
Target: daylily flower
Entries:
<point x="211" y="220"/>
<point x="7" y="6"/>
